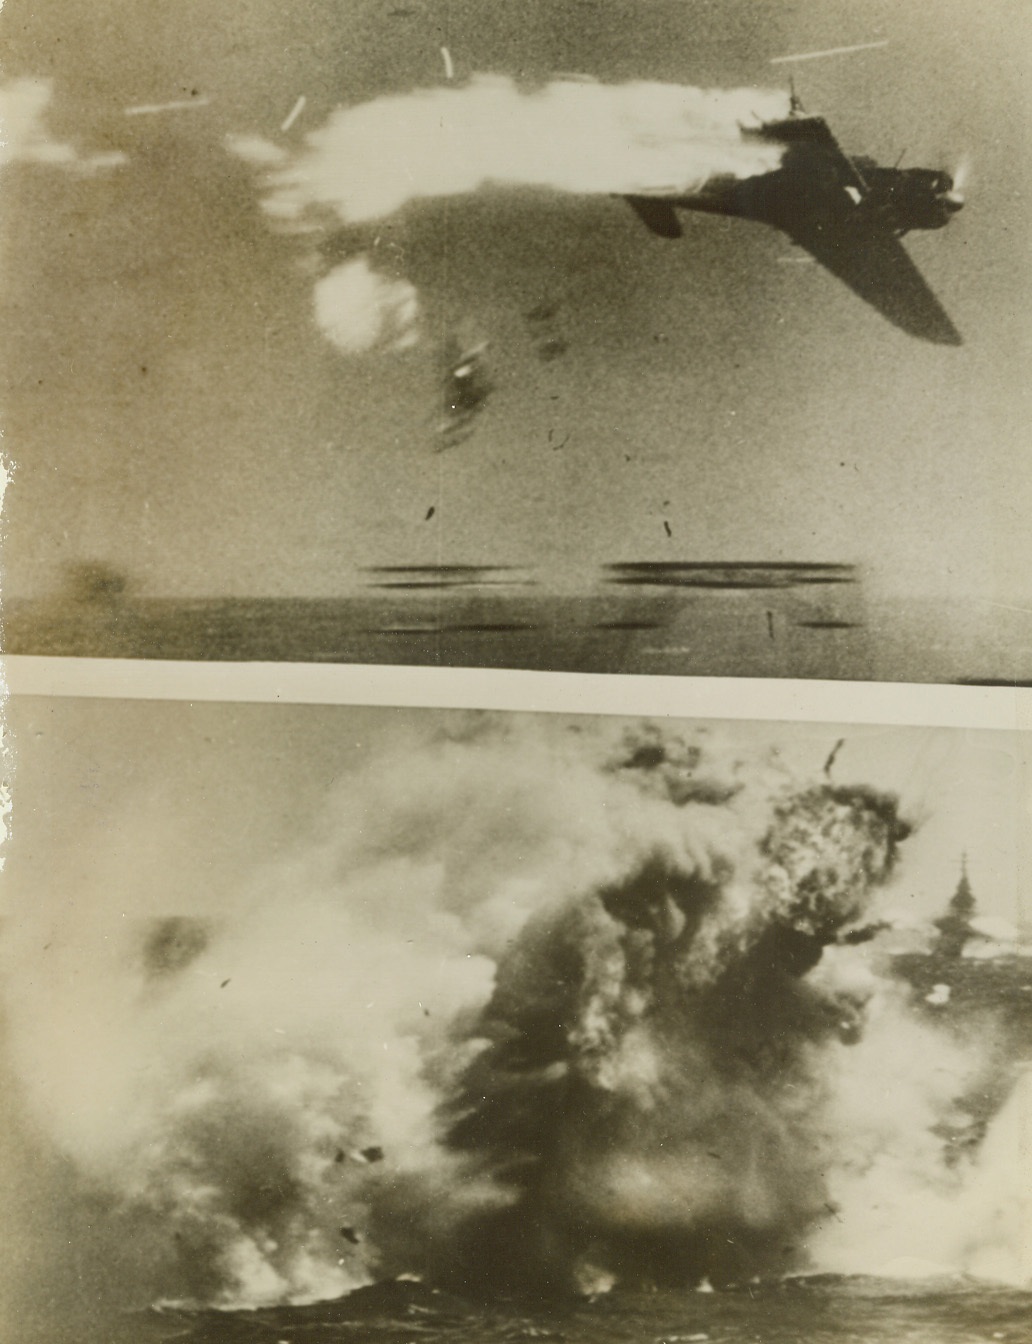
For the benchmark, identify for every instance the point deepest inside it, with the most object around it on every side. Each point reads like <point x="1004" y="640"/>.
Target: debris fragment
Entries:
<point x="177" y="105"/>
<point x="294" y="113"/>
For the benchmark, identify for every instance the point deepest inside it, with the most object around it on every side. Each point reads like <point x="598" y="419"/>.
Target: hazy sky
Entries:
<point x="173" y="409"/>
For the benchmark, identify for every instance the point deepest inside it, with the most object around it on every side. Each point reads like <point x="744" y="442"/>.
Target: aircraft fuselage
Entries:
<point x="796" y="197"/>
<point x="848" y="213"/>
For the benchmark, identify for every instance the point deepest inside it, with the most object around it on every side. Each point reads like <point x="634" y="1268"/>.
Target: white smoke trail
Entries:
<point x="369" y="161"/>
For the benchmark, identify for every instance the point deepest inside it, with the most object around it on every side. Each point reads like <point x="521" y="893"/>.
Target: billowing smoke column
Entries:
<point x="539" y="1007"/>
<point x="369" y="161"/>
<point x="653" y="1091"/>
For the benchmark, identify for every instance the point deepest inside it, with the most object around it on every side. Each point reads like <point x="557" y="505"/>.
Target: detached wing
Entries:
<point x="876" y="266"/>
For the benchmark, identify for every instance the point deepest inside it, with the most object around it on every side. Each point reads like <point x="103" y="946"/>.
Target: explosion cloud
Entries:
<point x="538" y="1007"/>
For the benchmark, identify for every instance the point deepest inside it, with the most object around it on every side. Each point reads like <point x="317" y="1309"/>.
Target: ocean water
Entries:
<point x="642" y="626"/>
<point x="760" y="620"/>
<point x="824" y="1309"/>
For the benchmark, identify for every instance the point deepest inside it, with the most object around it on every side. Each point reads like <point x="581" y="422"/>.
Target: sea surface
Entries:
<point x="732" y="620"/>
<point x="717" y="620"/>
<point x="824" y="1309"/>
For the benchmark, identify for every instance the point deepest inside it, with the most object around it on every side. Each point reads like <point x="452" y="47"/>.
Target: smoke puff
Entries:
<point x="24" y="137"/>
<point x="356" y="308"/>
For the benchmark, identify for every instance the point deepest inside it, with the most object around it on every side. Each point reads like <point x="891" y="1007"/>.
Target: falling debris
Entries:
<point x="224" y="984"/>
<point x="340" y="1155"/>
<point x="831" y="756"/>
<point x="294" y="113"/>
<point x="466" y="388"/>
<point x="349" y="1234"/>
<point x="667" y="528"/>
<point x="549" y="342"/>
<point x="430" y="513"/>
<point x="177" y="105"/>
<point x="829" y="51"/>
<point x="770" y="624"/>
<point x="374" y="1153"/>
<point x="449" y="68"/>
<point x="542" y="312"/>
<point x="551" y="349"/>
<point x="939" y="995"/>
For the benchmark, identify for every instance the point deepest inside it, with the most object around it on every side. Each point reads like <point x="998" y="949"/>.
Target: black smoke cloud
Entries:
<point x="651" y="1088"/>
<point x="595" y="997"/>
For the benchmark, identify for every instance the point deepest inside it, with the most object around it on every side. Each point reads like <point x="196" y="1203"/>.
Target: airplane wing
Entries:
<point x="656" y="214"/>
<point x="810" y="137"/>
<point x="819" y="133"/>
<point x="876" y="266"/>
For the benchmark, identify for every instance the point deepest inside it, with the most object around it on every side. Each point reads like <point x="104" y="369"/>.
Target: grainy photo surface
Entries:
<point x="331" y="1023"/>
<point x="660" y="338"/>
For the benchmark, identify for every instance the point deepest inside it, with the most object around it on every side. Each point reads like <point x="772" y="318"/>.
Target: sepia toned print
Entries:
<point x="327" y="1022"/>
<point x="668" y="339"/>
